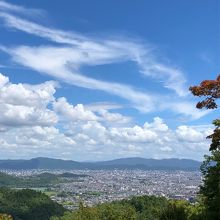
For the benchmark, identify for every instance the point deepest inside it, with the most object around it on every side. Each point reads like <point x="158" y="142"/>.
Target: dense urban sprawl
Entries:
<point x="99" y="186"/>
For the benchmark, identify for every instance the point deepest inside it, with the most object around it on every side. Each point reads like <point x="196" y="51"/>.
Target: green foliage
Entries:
<point x="8" y="180"/>
<point x="36" y="181"/>
<point x="110" y="211"/>
<point x="5" y="217"/>
<point x="138" y="208"/>
<point x="215" y="136"/>
<point x="195" y="211"/>
<point x="210" y="190"/>
<point x="28" y="204"/>
<point x="33" y="205"/>
<point x="174" y="211"/>
<point x="211" y="185"/>
<point x="147" y="207"/>
<point x="71" y="175"/>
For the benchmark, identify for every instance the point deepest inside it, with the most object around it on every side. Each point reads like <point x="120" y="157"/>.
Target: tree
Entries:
<point x="175" y="210"/>
<point x="28" y="204"/>
<point x="210" y="190"/>
<point x="5" y="217"/>
<point x="210" y="89"/>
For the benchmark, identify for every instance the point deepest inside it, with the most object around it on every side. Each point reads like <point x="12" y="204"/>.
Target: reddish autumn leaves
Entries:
<point x="209" y="88"/>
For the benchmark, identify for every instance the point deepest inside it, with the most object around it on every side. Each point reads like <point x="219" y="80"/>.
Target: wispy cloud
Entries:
<point x="103" y="105"/>
<point x="95" y="52"/>
<point x="55" y="35"/>
<point x="3" y="66"/>
<point x="64" y="61"/>
<point x="206" y="57"/>
<point x="6" y="6"/>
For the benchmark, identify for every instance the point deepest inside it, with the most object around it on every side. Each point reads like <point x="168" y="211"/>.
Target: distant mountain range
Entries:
<point x="123" y="163"/>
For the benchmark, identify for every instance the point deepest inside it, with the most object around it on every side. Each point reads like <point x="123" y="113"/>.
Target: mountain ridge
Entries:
<point x="120" y="163"/>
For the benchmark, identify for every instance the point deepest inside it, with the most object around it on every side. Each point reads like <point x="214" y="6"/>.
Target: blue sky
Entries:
<point x="96" y="80"/>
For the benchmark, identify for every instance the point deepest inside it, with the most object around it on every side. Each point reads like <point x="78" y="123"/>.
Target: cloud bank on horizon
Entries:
<point x="28" y="128"/>
<point x="37" y="122"/>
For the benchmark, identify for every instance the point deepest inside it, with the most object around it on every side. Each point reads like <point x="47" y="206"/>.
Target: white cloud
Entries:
<point x="28" y="124"/>
<point x="26" y="142"/>
<point x="113" y="117"/>
<point x="157" y="125"/>
<point x="6" y="6"/>
<point x="81" y="112"/>
<point x="3" y="80"/>
<point x="188" y="134"/>
<point x="22" y="105"/>
<point x="73" y="113"/>
<point x="166" y="149"/>
<point x="11" y="115"/>
<point x="103" y="105"/>
<point x="87" y="134"/>
<point x="54" y="61"/>
<point x="94" y="129"/>
<point x="43" y="136"/>
<point x="28" y="95"/>
<point x="186" y="108"/>
<point x="133" y="134"/>
<point x="173" y="78"/>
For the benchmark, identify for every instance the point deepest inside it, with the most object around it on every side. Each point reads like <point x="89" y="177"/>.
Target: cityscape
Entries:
<point x="99" y="186"/>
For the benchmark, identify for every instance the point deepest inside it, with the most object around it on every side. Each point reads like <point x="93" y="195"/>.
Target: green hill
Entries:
<point x="28" y="205"/>
<point x="40" y="180"/>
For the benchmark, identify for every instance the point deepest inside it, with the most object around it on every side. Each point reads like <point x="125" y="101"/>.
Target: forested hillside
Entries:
<point x="40" y="180"/>
<point x="31" y="205"/>
<point x="27" y="205"/>
<point x="138" y="208"/>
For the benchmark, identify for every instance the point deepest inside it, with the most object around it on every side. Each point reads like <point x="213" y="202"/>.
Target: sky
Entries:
<point x="98" y="80"/>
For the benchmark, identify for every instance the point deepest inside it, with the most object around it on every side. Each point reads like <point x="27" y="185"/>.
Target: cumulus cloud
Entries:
<point x="43" y="136"/>
<point x="113" y="117"/>
<point x="133" y="134"/>
<point x="150" y="140"/>
<point x="157" y="125"/>
<point x="34" y="121"/>
<point x="166" y="149"/>
<point x="28" y="95"/>
<point x="3" y="80"/>
<point x="22" y="105"/>
<point x="188" y="134"/>
<point x="11" y="115"/>
<point x="86" y="134"/>
<point x="73" y="113"/>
